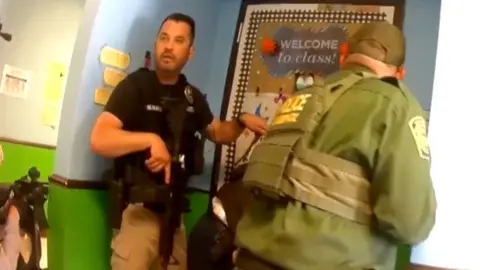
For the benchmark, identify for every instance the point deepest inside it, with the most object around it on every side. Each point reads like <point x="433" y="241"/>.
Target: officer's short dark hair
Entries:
<point x="181" y="17"/>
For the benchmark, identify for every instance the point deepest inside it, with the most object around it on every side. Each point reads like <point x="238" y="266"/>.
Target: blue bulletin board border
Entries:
<point x="280" y="15"/>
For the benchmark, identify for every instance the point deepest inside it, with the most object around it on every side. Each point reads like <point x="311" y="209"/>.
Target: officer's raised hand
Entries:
<point x="225" y="132"/>
<point x="254" y="123"/>
<point x="159" y="157"/>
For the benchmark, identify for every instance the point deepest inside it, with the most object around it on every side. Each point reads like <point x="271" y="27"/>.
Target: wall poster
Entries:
<point x="280" y="47"/>
<point x="53" y="94"/>
<point x="15" y="82"/>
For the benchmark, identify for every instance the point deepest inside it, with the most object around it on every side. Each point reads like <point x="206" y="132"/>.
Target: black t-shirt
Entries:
<point x="127" y="105"/>
<point x="144" y="105"/>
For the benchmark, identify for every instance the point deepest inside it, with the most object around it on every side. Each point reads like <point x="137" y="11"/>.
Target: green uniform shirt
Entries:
<point x="382" y="128"/>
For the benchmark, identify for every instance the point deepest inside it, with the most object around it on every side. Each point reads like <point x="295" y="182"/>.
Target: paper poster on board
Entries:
<point x="53" y="94"/>
<point x="15" y="82"/>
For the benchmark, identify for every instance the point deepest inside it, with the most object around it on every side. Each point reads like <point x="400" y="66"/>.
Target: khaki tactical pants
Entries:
<point x="136" y="245"/>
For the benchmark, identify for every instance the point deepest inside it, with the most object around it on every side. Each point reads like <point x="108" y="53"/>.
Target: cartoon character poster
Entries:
<point x="282" y="48"/>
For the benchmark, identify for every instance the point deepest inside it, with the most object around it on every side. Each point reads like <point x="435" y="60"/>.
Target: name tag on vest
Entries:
<point x="190" y="109"/>
<point x="154" y="108"/>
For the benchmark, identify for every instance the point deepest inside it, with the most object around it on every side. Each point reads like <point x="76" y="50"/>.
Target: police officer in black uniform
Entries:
<point x="136" y="129"/>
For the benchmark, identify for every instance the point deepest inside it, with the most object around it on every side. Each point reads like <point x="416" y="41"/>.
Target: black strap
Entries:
<point x="177" y="116"/>
<point x="174" y="208"/>
<point x="391" y="80"/>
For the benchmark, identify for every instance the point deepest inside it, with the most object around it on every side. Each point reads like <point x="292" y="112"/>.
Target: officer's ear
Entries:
<point x="400" y="73"/>
<point x="191" y="53"/>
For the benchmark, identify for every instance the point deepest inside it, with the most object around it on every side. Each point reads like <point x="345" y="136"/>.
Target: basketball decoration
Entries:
<point x="343" y="52"/>
<point x="269" y="47"/>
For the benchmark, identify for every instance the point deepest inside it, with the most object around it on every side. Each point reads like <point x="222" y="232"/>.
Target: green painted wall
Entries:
<point x="78" y="218"/>
<point x="79" y="236"/>
<point x="18" y="159"/>
<point x="80" y="233"/>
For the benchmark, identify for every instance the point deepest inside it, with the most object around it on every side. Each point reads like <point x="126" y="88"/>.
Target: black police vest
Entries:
<point x="158" y="111"/>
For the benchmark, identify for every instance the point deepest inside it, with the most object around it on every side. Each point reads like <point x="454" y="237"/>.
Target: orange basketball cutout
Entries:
<point x="269" y="46"/>
<point x="343" y="53"/>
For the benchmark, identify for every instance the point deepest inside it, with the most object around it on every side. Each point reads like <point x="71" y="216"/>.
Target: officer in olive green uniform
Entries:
<point x="342" y="176"/>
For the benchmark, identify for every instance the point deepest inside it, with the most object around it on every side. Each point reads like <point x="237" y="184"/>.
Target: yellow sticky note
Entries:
<point x="56" y="75"/>
<point x="50" y="114"/>
<point x="112" y="77"/>
<point x="114" y="58"/>
<point x="102" y="95"/>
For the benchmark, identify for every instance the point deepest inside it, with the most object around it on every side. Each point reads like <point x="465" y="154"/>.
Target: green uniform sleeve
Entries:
<point x="403" y="197"/>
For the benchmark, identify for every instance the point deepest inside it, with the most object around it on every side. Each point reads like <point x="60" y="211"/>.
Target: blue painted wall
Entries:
<point x="421" y="29"/>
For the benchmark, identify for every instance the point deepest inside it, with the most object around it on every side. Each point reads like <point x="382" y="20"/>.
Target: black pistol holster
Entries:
<point x="118" y="198"/>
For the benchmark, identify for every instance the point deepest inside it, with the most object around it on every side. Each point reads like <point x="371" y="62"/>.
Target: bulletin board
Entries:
<point x="306" y="38"/>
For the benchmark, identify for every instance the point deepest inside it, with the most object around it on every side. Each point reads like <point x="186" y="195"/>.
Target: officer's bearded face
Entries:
<point x="173" y="47"/>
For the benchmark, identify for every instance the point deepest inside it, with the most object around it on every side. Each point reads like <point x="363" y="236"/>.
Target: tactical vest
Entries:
<point x="158" y="114"/>
<point x="283" y="166"/>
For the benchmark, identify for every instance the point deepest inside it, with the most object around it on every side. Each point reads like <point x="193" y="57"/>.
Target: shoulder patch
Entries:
<point x="418" y="127"/>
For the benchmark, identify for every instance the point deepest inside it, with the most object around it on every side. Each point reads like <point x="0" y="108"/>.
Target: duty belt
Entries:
<point x="149" y="193"/>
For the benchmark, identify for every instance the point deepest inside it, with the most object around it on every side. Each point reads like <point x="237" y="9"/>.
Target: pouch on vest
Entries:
<point x="198" y="140"/>
<point x="177" y="117"/>
<point x="198" y="154"/>
<point x="284" y="166"/>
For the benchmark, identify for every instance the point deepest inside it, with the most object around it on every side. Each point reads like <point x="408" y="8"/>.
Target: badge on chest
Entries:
<point x="189" y="96"/>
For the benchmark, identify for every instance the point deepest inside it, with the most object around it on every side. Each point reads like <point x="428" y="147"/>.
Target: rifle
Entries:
<point x="177" y="204"/>
<point x="29" y="196"/>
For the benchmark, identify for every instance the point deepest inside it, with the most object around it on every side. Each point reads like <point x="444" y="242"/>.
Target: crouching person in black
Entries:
<point x="150" y="127"/>
<point x="211" y="242"/>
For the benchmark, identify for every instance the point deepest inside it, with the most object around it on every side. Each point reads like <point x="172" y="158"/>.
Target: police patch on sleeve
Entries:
<point x="418" y="127"/>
